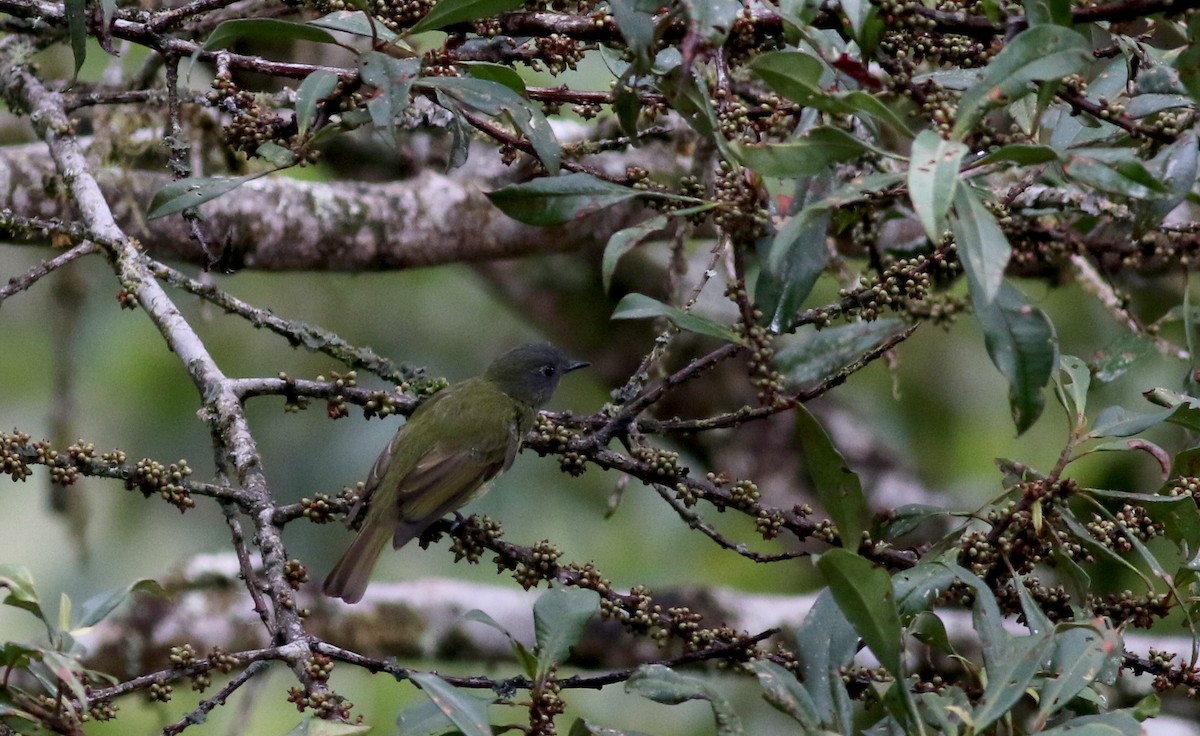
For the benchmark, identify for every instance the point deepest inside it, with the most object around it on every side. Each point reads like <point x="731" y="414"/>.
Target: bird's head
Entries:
<point x="530" y="373"/>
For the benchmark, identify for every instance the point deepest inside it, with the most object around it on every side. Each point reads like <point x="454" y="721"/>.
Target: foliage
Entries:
<point x="855" y="173"/>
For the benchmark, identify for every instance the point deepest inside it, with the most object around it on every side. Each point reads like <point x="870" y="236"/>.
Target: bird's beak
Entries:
<point x="574" y="365"/>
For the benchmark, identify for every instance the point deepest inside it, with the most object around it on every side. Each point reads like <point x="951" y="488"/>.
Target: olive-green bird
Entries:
<point x="446" y="455"/>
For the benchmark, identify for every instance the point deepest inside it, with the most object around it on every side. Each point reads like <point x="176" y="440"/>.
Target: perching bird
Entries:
<point x="446" y="455"/>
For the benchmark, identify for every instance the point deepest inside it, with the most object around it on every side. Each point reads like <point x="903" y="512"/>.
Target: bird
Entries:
<point x="446" y="455"/>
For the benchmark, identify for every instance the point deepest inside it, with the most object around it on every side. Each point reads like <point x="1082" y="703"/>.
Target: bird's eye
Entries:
<point x="547" y="370"/>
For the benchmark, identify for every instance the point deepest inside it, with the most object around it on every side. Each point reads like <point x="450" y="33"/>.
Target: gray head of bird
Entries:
<point x="530" y="373"/>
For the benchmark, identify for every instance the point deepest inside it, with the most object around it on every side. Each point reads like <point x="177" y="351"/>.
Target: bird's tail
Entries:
<point x="348" y="578"/>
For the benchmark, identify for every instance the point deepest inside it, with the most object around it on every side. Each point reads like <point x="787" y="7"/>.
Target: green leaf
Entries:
<point x="192" y="192"/>
<point x="76" y="17"/>
<point x="449" y="12"/>
<point x="1045" y="52"/>
<point x="314" y="726"/>
<point x="1022" y="154"/>
<point x="1009" y="676"/>
<point x="465" y="711"/>
<point x="622" y="241"/>
<point x="356" y="23"/>
<point x="560" y="616"/>
<point x="793" y="74"/>
<point x="713" y="18"/>
<point x="663" y="685"/>
<point x="498" y="73"/>
<point x="640" y="306"/>
<point x="804" y="156"/>
<point x="796" y="257"/>
<point x="275" y="154"/>
<point x="933" y="179"/>
<point x="20" y="592"/>
<point x="66" y="670"/>
<point x="14" y="656"/>
<point x="1115" y="359"/>
<point x="1178" y="514"/>
<point x="825" y="643"/>
<point x="1074" y="378"/>
<point x="917" y="588"/>
<point x="1021" y="342"/>
<point x="266" y="29"/>
<point x="864" y="593"/>
<point x="635" y="21"/>
<point x="1116" y="723"/>
<point x="1117" y="421"/>
<point x="394" y="79"/>
<point x="904" y="519"/>
<point x="1126" y="178"/>
<point x="787" y="694"/>
<point x="555" y="200"/>
<point x="311" y="92"/>
<point x="983" y="247"/>
<point x="495" y="99"/>
<point x="96" y="608"/>
<point x="819" y="354"/>
<point x="582" y="728"/>
<point x="1082" y="654"/>
<point x="834" y="483"/>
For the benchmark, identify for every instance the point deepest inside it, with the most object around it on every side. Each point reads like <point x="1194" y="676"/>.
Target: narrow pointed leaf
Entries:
<point x="640" y="306"/>
<point x="465" y="711"/>
<point x="311" y="92"/>
<point x="664" y="685"/>
<point x="983" y="247"/>
<point x="864" y="593"/>
<point x="837" y="487"/>
<point x="1020" y="340"/>
<point x="622" y="241"/>
<point x="449" y="12"/>
<point x="555" y="200"/>
<point x="932" y="180"/>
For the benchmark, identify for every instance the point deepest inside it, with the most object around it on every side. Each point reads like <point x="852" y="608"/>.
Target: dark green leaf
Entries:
<point x="66" y="671"/>
<point x="311" y="92"/>
<point x="917" y="588"/>
<point x="825" y="643"/>
<point x="663" y="685"/>
<point x="819" y="354"/>
<point x="796" y="257"/>
<point x="1149" y="104"/>
<point x="465" y="711"/>
<point x="560" y="616"/>
<point x="805" y="156"/>
<point x="1039" y="53"/>
<point x="1082" y="655"/>
<point x="1010" y="675"/>
<point x="1178" y="514"/>
<point x="1020" y="340"/>
<point x="1116" y="723"/>
<point x="449" y="12"/>
<point x="266" y="29"/>
<point x="782" y="690"/>
<point x="394" y="79"/>
<point x="904" y="519"/>
<point x="275" y="154"/>
<point x="834" y="483"/>
<point x="640" y="306"/>
<point x="933" y="179"/>
<point x="635" y="20"/>
<point x="713" y="18"/>
<point x="582" y="728"/>
<point x="495" y="99"/>
<point x="555" y="200"/>
<point x="192" y="192"/>
<point x="858" y="101"/>
<point x="982" y="246"/>
<point x="1022" y="154"/>
<point x="1127" y="178"/>
<point x="14" y="656"/>
<point x="793" y="74"/>
<point x="76" y="16"/>
<point x="622" y="241"/>
<point x="927" y="628"/>
<point x="864" y="593"/>
<point x="354" y="22"/>
<point x="498" y="73"/>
